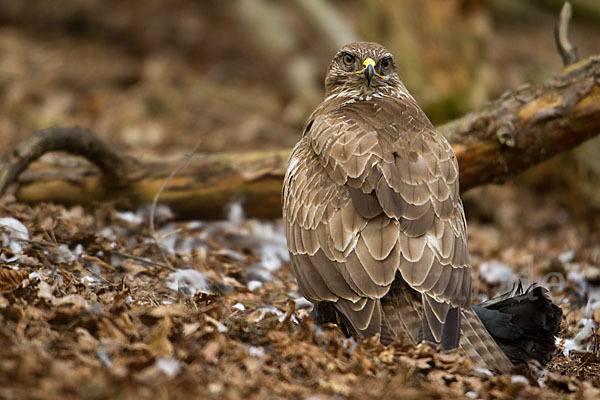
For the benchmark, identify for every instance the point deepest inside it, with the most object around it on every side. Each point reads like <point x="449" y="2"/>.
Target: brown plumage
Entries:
<point x="374" y="222"/>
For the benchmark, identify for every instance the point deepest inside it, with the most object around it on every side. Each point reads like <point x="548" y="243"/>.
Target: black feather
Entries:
<point x="523" y="323"/>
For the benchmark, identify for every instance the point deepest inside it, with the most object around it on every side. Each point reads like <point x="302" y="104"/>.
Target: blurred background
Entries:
<point x="154" y="77"/>
<point x="246" y="73"/>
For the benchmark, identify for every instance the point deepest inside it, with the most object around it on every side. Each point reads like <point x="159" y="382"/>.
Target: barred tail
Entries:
<point x="402" y="313"/>
<point x="479" y="346"/>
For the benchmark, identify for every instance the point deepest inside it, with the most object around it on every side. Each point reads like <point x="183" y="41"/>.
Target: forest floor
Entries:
<point x="89" y="309"/>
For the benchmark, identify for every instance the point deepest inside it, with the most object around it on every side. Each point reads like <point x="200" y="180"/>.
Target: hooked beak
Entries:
<point x="369" y="70"/>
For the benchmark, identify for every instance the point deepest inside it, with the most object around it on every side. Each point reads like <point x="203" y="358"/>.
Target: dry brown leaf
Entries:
<point x="190" y="329"/>
<point x="210" y="351"/>
<point x="3" y="302"/>
<point x="340" y="384"/>
<point x="597" y="315"/>
<point x="280" y="340"/>
<point x="86" y="340"/>
<point x="109" y="331"/>
<point x="133" y="267"/>
<point x="170" y="310"/>
<point x="45" y="292"/>
<point x="448" y="357"/>
<point x="72" y="299"/>
<point x="10" y="279"/>
<point x="387" y="356"/>
<point x="252" y="364"/>
<point x="419" y="363"/>
<point x="158" y="338"/>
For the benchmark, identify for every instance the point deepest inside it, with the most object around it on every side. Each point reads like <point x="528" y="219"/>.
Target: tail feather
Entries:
<point x="479" y="346"/>
<point x="403" y="313"/>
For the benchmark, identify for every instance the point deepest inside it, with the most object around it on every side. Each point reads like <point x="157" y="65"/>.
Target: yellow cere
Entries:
<point x="366" y="63"/>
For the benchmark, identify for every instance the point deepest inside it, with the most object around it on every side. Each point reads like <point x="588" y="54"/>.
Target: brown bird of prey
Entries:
<point x="374" y="222"/>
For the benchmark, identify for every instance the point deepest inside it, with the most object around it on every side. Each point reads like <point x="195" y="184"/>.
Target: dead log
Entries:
<point x="504" y="138"/>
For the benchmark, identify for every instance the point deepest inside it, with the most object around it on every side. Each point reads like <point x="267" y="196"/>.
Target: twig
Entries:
<point x="99" y="276"/>
<point x="97" y="261"/>
<point x="567" y="51"/>
<point x="145" y="260"/>
<point x="40" y="243"/>
<point x="181" y="165"/>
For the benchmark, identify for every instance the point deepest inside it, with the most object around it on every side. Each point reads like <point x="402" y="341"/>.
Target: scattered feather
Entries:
<point x="188" y="281"/>
<point x="256" y="351"/>
<point x="254" y="285"/>
<point x="496" y="272"/>
<point x="170" y="366"/>
<point x="14" y="233"/>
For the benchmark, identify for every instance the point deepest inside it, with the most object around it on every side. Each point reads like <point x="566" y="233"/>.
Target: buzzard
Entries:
<point x="373" y="218"/>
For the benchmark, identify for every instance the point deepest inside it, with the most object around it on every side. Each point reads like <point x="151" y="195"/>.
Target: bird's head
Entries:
<point x="362" y="68"/>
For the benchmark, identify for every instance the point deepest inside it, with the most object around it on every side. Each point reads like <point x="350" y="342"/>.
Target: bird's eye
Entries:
<point x="348" y="59"/>
<point x="386" y="63"/>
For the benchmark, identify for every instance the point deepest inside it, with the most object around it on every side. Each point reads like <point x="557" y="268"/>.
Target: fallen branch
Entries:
<point x="79" y="141"/>
<point x="527" y="126"/>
